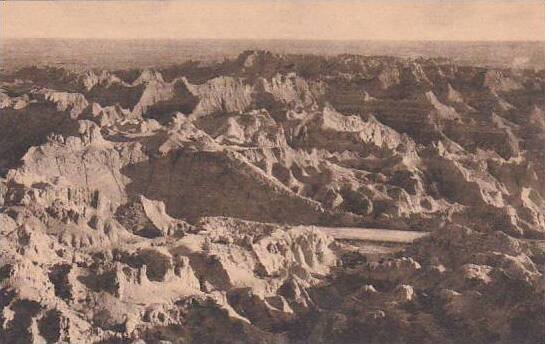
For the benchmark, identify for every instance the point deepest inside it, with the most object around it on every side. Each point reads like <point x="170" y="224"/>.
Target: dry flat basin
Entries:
<point x="372" y="234"/>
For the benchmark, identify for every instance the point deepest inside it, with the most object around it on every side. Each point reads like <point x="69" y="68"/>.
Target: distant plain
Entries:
<point x="123" y="54"/>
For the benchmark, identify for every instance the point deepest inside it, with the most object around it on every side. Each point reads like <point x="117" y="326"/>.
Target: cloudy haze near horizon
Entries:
<point x="258" y="19"/>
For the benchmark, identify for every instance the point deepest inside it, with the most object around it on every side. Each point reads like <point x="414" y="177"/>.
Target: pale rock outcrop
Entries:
<point x="91" y="79"/>
<point x="442" y="112"/>
<point x="497" y="80"/>
<point x="254" y="129"/>
<point x="287" y="89"/>
<point x="221" y="94"/>
<point x="108" y="115"/>
<point x="75" y="103"/>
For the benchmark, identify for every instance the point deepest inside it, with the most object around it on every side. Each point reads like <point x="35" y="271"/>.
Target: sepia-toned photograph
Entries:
<point x="272" y="172"/>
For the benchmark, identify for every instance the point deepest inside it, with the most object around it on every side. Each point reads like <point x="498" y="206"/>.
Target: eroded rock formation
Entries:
<point x="187" y="209"/>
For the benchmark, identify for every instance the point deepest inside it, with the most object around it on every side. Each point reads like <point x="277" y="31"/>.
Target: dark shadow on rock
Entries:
<point x="182" y="101"/>
<point x="126" y="97"/>
<point x="30" y="126"/>
<point x="196" y="184"/>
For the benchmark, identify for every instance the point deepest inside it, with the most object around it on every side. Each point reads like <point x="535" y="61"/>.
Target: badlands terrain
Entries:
<point x="273" y="199"/>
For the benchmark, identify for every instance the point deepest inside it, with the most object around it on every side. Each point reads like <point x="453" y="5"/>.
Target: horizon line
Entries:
<point x="276" y="39"/>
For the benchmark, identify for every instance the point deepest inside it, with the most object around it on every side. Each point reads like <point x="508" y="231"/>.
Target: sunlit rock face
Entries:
<point x="190" y="204"/>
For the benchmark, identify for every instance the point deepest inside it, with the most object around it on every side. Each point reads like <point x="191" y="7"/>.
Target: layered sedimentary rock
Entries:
<point x="185" y="204"/>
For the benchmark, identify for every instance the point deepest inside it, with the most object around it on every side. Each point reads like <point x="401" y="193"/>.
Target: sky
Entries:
<point x="452" y="20"/>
